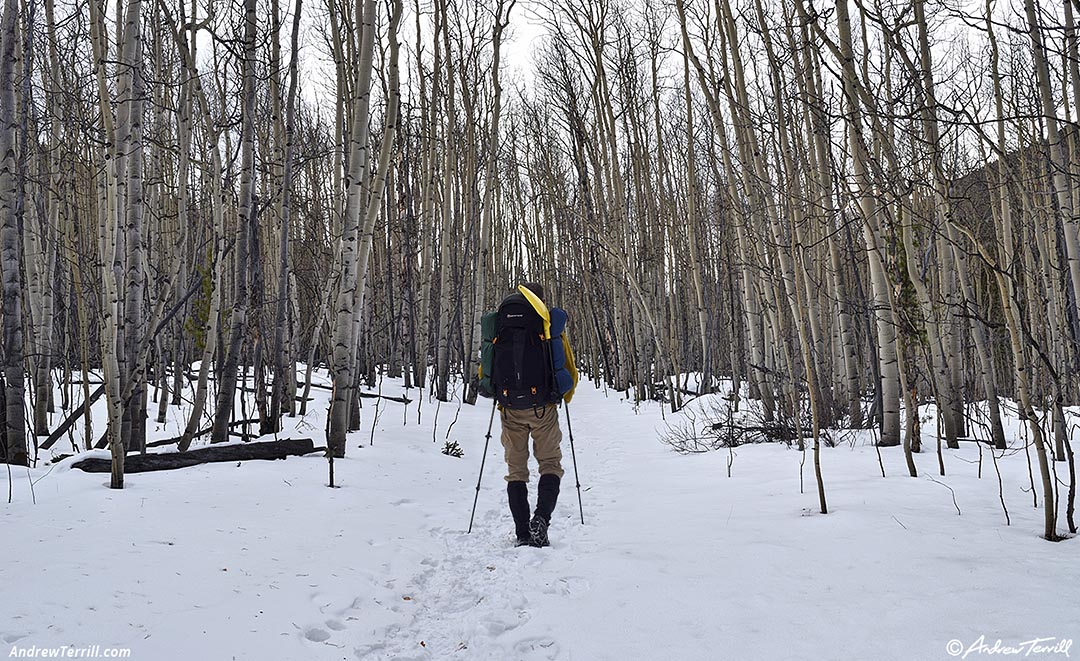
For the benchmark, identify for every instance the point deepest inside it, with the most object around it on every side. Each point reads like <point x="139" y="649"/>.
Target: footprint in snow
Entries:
<point x="498" y="625"/>
<point x="356" y="604"/>
<point x="536" y="648"/>
<point x="317" y="635"/>
<point x="568" y="585"/>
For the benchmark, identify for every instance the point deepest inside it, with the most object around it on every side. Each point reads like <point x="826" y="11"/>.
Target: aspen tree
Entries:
<point x="15" y="448"/>
<point x="283" y="290"/>
<point x="130" y="93"/>
<point x="358" y="230"/>
<point x="708" y="81"/>
<point x="247" y="230"/>
<point x="483" y="253"/>
<point x="430" y="103"/>
<point x="1063" y="188"/>
<point x="885" y="321"/>
<point x="447" y="215"/>
<point x="107" y="249"/>
<point x="820" y="156"/>
<point x="693" y="222"/>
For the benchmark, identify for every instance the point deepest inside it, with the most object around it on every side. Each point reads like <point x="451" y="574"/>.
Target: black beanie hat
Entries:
<point x="535" y="288"/>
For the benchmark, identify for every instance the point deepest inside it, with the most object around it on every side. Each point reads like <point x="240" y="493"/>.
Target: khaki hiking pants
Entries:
<point x="543" y="424"/>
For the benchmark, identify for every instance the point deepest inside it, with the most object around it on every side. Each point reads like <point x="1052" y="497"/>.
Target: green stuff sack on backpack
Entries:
<point x="487" y="353"/>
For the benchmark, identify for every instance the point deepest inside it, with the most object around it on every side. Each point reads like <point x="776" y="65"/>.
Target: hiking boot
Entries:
<point x="517" y="493"/>
<point x="538" y="529"/>
<point x="547" y="493"/>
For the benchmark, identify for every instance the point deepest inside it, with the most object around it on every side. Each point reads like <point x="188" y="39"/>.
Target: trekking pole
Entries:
<point x="482" y="460"/>
<point x="573" y="455"/>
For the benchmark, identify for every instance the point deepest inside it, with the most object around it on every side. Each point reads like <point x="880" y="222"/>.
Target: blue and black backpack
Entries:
<point x="523" y="363"/>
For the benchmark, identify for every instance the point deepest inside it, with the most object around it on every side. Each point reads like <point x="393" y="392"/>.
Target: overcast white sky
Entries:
<point x="317" y="74"/>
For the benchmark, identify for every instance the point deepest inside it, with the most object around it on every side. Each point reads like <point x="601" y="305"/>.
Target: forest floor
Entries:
<point x="676" y="560"/>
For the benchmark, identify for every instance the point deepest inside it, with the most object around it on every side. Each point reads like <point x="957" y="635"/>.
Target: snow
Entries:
<point x="261" y="560"/>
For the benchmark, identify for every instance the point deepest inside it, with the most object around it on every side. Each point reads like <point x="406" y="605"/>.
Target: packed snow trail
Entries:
<point x="675" y="561"/>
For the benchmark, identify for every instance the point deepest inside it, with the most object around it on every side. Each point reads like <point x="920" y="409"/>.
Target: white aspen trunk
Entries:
<point x="982" y="343"/>
<point x="212" y="176"/>
<point x="950" y="383"/>
<point x="427" y="214"/>
<point x="39" y="252"/>
<point x="470" y="213"/>
<point x="320" y="320"/>
<point x="292" y="347"/>
<point x="209" y="349"/>
<point x="132" y="145"/>
<point x="483" y="253"/>
<point x="1027" y="411"/>
<point x="382" y="165"/>
<point x="815" y="398"/>
<point x="954" y="333"/>
<point x="756" y="182"/>
<point x="1001" y="208"/>
<point x="107" y="233"/>
<point x="447" y="215"/>
<point x="343" y="341"/>
<point x="938" y="362"/>
<point x="246" y="234"/>
<point x="758" y="374"/>
<point x="120" y="140"/>
<point x="692" y="227"/>
<point x="15" y="448"/>
<point x="867" y="206"/>
<point x="183" y="217"/>
<point x="42" y="264"/>
<point x="281" y="377"/>
<point x="789" y="254"/>
<point x="1058" y="154"/>
<point x="65" y="225"/>
<point x="342" y="115"/>
<point x="819" y="130"/>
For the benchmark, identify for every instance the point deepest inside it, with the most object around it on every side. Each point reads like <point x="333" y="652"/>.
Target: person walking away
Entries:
<point x="528" y="366"/>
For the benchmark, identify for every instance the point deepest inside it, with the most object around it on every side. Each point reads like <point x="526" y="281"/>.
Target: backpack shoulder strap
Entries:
<point x="540" y="307"/>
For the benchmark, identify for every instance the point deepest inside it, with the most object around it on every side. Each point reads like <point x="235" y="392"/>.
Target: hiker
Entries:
<point x="528" y="366"/>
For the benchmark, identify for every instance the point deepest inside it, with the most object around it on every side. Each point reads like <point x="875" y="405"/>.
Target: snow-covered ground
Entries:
<point x="260" y="560"/>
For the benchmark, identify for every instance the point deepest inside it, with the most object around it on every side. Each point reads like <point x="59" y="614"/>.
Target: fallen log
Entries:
<point x="75" y="415"/>
<point x="298" y="397"/>
<point x="371" y="395"/>
<point x="362" y="395"/>
<point x="201" y="432"/>
<point x="143" y="463"/>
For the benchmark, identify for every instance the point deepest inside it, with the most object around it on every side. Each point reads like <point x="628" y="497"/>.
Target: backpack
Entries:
<point x="523" y="364"/>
